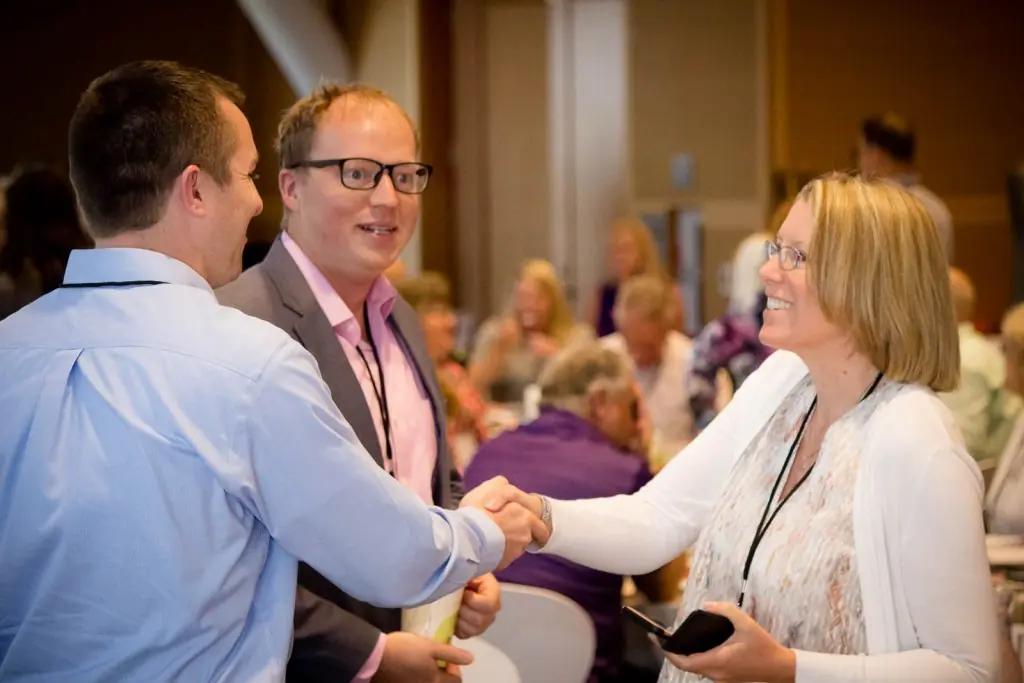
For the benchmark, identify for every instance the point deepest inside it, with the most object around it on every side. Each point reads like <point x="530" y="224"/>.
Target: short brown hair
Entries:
<point x="647" y="296"/>
<point x="879" y="270"/>
<point x="135" y="129"/>
<point x="298" y="125"/>
<point x="428" y="291"/>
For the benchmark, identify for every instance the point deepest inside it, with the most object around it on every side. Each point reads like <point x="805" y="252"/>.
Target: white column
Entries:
<point x="589" y="136"/>
<point x="301" y="38"/>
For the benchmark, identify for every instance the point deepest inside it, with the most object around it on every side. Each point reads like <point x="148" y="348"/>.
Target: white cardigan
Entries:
<point x="920" y="543"/>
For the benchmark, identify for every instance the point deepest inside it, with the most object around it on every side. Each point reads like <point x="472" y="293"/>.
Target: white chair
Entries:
<point x="548" y="637"/>
<point x="490" y="665"/>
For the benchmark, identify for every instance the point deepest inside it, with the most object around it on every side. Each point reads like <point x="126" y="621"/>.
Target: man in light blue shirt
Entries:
<point x="164" y="461"/>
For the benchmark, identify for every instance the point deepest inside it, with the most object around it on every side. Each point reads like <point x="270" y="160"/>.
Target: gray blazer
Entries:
<point x="334" y="632"/>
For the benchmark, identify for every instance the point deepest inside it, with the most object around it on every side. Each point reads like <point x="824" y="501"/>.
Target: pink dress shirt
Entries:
<point x="413" y="439"/>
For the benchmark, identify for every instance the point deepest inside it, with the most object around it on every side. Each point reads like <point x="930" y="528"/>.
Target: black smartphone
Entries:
<point x="699" y="632"/>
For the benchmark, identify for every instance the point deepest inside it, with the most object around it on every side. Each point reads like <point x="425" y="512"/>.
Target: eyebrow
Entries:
<point x="789" y="243"/>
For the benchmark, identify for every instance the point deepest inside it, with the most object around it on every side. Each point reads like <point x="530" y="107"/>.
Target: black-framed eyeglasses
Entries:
<point x="790" y="258"/>
<point x="408" y="177"/>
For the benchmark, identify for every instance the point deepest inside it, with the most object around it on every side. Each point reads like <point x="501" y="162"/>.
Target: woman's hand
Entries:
<point x="751" y="654"/>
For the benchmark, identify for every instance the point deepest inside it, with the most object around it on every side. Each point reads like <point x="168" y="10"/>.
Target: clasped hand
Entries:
<point x="515" y="512"/>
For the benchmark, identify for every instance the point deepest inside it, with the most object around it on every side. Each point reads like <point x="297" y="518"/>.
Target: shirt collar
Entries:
<point x="123" y="265"/>
<point x="380" y="300"/>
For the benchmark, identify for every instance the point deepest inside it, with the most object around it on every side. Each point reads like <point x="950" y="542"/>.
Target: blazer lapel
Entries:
<point x="312" y="330"/>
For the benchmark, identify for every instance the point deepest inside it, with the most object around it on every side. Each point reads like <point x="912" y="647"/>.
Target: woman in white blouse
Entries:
<point x="871" y="562"/>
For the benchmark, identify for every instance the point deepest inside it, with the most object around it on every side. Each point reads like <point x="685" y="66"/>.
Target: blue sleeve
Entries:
<point x="309" y="480"/>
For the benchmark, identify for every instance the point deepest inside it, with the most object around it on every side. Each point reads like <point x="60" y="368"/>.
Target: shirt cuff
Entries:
<point x="492" y="545"/>
<point x="369" y="669"/>
<point x="819" y="667"/>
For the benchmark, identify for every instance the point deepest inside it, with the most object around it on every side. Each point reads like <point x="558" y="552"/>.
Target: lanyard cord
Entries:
<point x="122" y="283"/>
<point x="766" y="520"/>
<point x="380" y="393"/>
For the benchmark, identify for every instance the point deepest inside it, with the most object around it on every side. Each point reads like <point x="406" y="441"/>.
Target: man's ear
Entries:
<point x="597" y="403"/>
<point x="287" y="185"/>
<point x="187" y="190"/>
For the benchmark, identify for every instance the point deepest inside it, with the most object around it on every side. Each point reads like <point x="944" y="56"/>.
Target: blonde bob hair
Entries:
<point x="542" y="273"/>
<point x="877" y="265"/>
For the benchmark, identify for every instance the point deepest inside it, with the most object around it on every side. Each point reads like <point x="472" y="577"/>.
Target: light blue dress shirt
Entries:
<point x="163" y="462"/>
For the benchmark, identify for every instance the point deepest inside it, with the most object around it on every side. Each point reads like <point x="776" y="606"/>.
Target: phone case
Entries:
<point x="699" y="632"/>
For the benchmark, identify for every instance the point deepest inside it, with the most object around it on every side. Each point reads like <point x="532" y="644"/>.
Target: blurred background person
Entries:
<point x="982" y="409"/>
<point x="430" y="296"/>
<point x="660" y="359"/>
<point x="512" y="349"/>
<point x="731" y="343"/>
<point x="42" y="228"/>
<point x="587" y="443"/>
<point x="886" y="149"/>
<point x="1004" y="502"/>
<point x="631" y="251"/>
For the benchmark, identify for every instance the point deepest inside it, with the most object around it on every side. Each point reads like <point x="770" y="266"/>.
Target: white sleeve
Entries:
<point x="938" y="550"/>
<point x="638" y="533"/>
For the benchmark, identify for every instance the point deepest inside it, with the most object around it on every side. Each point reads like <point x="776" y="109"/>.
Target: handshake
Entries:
<point x="517" y="513"/>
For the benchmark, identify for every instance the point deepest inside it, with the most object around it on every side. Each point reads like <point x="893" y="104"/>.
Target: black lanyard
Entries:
<point x="380" y="393"/>
<point x="113" y="283"/>
<point x="766" y="520"/>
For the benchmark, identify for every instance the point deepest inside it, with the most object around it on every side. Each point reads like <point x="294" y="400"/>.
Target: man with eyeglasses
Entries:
<point x="350" y="181"/>
<point x="164" y="460"/>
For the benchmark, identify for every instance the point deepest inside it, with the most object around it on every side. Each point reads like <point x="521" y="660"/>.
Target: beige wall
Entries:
<point x="698" y="76"/>
<point x="516" y="99"/>
<point x="953" y="68"/>
<point x="694" y="73"/>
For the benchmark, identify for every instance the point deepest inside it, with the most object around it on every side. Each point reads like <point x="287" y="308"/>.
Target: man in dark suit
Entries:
<point x="350" y="183"/>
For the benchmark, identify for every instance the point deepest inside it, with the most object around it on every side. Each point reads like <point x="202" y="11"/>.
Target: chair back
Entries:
<point x="490" y="665"/>
<point x="548" y="637"/>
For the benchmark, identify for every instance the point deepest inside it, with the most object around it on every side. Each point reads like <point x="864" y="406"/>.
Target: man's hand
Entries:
<point x="409" y="658"/>
<point x="480" y="604"/>
<point x="514" y="511"/>
<point x="492" y="489"/>
<point x="519" y="526"/>
<point x="751" y="654"/>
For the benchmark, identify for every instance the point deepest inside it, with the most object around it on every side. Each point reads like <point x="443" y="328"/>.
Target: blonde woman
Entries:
<point x="512" y="349"/>
<point x="631" y="252"/>
<point x="835" y="512"/>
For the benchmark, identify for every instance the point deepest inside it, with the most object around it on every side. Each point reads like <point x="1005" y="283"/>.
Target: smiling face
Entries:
<point x="352" y="235"/>
<point x="532" y="305"/>
<point x="793" y="319"/>
<point x="624" y="256"/>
